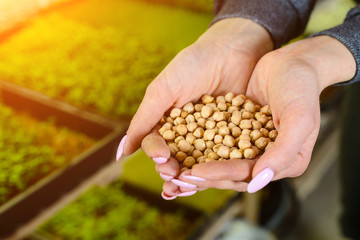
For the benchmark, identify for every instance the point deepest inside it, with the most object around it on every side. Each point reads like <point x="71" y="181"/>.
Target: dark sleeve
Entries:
<point x="348" y="34"/>
<point x="284" y="19"/>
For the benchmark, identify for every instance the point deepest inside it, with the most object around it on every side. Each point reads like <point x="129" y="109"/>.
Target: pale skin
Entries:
<point x="236" y="55"/>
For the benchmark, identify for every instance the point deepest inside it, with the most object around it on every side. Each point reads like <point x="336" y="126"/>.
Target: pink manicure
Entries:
<point x="120" y="149"/>
<point x="260" y="180"/>
<point x="166" y="177"/>
<point x="164" y="196"/>
<point x="193" y="178"/>
<point x="160" y="160"/>
<point x="185" y="194"/>
<point x="183" y="184"/>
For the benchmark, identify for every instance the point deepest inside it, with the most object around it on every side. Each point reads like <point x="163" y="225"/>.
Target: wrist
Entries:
<point x="240" y="34"/>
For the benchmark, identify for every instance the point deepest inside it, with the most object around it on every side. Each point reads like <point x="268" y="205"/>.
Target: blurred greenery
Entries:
<point x="30" y="150"/>
<point x="99" y="55"/>
<point x="139" y="170"/>
<point x="108" y="213"/>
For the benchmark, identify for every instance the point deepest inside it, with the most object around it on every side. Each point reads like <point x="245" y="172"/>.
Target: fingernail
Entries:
<point x="164" y="196"/>
<point x="120" y="149"/>
<point x="160" y="160"/>
<point x="166" y="177"/>
<point x="194" y="178"/>
<point x="183" y="184"/>
<point x="185" y="194"/>
<point x="260" y="180"/>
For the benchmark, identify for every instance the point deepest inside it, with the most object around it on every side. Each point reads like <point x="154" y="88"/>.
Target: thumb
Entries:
<point x="157" y="100"/>
<point x="297" y="129"/>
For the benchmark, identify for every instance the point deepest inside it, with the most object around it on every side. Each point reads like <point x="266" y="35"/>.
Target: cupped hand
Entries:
<point x="290" y="80"/>
<point x="220" y="61"/>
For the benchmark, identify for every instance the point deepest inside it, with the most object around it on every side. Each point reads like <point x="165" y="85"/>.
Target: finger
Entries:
<point x="233" y="169"/>
<point x="170" y="191"/>
<point x="155" y="146"/>
<point x="297" y="124"/>
<point x="168" y="170"/>
<point x="156" y="102"/>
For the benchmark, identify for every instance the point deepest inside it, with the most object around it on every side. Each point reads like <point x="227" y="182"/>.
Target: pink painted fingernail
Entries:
<point x="160" y="160"/>
<point x="260" y="180"/>
<point x="185" y="194"/>
<point x="164" y="196"/>
<point x="194" y="178"/>
<point x="183" y="184"/>
<point x="166" y="177"/>
<point x="120" y="149"/>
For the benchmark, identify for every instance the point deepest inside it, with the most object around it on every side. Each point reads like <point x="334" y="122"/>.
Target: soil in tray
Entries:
<point x="109" y="213"/>
<point x="32" y="149"/>
<point x="99" y="55"/>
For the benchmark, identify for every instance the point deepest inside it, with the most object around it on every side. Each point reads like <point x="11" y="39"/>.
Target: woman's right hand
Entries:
<point x="220" y="61"/>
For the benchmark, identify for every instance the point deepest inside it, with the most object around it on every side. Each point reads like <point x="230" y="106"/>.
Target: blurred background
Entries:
<point x="92" y="60"/>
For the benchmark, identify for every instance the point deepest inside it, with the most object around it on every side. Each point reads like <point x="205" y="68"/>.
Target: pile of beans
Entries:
<point x="218" y="129"/>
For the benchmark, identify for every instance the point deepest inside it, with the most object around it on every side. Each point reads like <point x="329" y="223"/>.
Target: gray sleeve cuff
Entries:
<point x="348" y="34"/>
<point x="284" y="19"/>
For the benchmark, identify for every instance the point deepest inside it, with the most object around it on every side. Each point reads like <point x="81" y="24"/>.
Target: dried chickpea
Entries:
<point x="246" y="132"/>
<point x="266" y="110"/>
<point x="213" y="155"/>
<point x="256" y="125"/>
<point x="218" y="139"/>
<point x="229" y="141"/>
<point x="180" y="156"/>
<point x="178" y="139"/>
<point x="189" y="108"/>
<point x="209" y="135"/>
<point x="206" y="111"/>
<point x="220" y="99"/>
<point x="201" y="122"/>
<point x="256" y="149"/>
<point x="183" y="169"/>
<point x="190" y="118"/>
<point x="232" y="109"/>
<point x="209" y="160"/>
<point x="222" y="106"/>
<point x="197" y="115"/>
<point x="207" y="99"/>
<point x="231" y="125"/>
<point x="201" y="159"/>
<point x="237" y="101"/>
<point x="191" y="126"/>
<point x="256" y="134"/>
<point x="207" y="151"/>
<point x="198" y="107"/>
<point x="245" y="124"/>
<point x="244" y="144"/>
<point x="236" y="132"/>
<point x="236" y="117"/>
<point x="181" y="130"/>
<point x="189" y="162"/>
<point x="218" y="116"/>
<point x="169" y="135"/>
<point x="184" y="146"/>
<point x="175" y="112"/>
<point x="249" y="106"/>
<point x="184" y="114"/>
<point x="235" y="154"/>
<point x="264" y="132"/>
<point x="261" y="117"/>
<point x="210" y="124"/>
<point x="247" y="115"/>
<point x="173" y="148"/>
<point x="170" y="120"/>
<point x="224" y="152"/>
<point x="257" y="108"/>
<point x="224" y="131"/>
<point x="273" y="134"/>
<point x="199" y="132"/>
<point x="249" y="153"/>
<point x="210" y="144"/>
<point x="262" y="142"/>
<point x="216" y="147"/>
<point x="179" y="120"/>
<point x="229" y="97"/>
<point x="190" y="138"/>
<point x="162" y="120"/>
<point x="199" y="144"/>
<point x="163" y="129"/>
<point x="269" y="125"/>
<point x="196" y="154"/>
<point x="221" y="124"/>
<point x="245" y="138"/>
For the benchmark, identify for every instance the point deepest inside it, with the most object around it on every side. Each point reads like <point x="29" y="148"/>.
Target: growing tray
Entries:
<point x="21" y="214"/>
